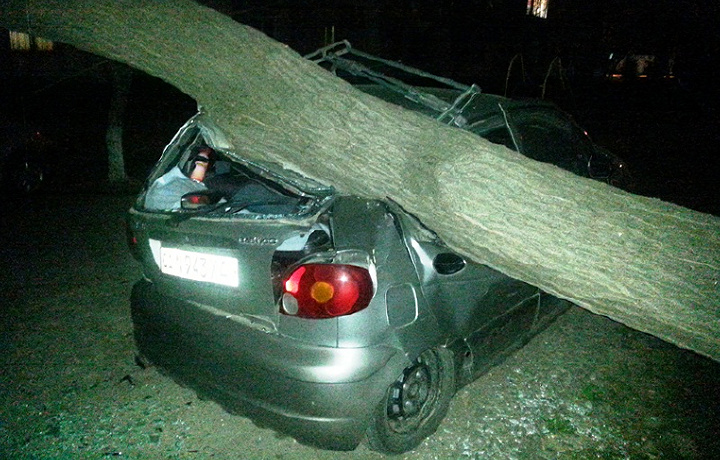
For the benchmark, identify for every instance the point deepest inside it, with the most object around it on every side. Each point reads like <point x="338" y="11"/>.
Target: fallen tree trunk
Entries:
<point x="649" y="264"/>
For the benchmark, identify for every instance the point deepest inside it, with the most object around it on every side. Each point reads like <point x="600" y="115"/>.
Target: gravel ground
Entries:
<point x="587" y="387"/>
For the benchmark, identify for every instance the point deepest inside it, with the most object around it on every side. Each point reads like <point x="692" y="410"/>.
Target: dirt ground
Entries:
<point x="585" y="388"/>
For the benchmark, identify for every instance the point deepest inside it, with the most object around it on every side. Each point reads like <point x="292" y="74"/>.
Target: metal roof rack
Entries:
<point x="341" y="55"/>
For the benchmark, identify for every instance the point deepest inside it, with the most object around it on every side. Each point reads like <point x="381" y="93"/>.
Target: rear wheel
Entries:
<point x="414" y="404"/>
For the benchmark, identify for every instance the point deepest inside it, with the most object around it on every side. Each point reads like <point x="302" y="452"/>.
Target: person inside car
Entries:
<point x="165" y="193"/>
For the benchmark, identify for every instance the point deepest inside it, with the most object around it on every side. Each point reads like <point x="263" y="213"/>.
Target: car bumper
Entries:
<point x="321" y="396"/>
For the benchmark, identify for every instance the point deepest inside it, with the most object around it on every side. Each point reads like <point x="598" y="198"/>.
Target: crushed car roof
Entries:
<point x="444" y="99"/>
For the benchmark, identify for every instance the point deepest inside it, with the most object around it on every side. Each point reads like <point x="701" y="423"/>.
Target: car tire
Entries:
<point x="415" y="404"/>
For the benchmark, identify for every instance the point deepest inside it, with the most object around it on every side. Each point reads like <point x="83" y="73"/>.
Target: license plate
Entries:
<point x="199" y="266"/>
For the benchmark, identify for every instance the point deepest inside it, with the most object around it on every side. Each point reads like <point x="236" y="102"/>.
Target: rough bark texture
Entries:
<point x="651" y="265"/>
<point x="121" y="80"/>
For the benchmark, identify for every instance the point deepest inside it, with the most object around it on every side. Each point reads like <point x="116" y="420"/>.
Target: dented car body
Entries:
<point x="328" y="317"/>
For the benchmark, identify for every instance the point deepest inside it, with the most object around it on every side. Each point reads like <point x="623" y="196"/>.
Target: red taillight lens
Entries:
<point x="326" y="291"/>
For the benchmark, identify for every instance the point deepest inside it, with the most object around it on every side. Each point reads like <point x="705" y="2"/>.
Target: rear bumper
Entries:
<point x="319" y="395"/>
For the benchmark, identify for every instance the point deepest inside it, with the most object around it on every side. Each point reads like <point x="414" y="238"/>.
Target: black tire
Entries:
<point x="415" y="404"/>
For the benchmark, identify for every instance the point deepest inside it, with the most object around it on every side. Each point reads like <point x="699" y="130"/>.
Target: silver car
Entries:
<point x="331" y="318"/>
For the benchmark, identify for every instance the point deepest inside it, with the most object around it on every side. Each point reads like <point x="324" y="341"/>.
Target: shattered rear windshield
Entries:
<point x="194" y="177"/>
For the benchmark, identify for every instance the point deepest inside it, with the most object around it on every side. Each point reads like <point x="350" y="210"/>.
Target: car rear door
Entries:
<point x="467" y="299"/>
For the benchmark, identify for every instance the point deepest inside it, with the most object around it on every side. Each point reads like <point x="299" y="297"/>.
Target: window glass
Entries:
<point x="500" y="136"/>
<point x="214" y="184"/>
<point x="538" y="8"/>
<point x="553" y="139"/>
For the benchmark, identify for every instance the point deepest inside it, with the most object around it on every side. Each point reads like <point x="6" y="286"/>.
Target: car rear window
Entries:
<point x="221" y="183"/>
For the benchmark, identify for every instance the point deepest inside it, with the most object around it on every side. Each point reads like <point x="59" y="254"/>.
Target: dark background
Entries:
<point x="664" y="124"/>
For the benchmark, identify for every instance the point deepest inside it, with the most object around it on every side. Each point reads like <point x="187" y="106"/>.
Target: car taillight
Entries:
<point x="326" y="291"/>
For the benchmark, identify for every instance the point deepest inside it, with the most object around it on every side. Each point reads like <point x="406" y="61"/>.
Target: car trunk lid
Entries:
<point x="223" y="264"/>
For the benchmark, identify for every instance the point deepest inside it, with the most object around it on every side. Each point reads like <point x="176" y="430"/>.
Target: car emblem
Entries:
<point x="257" y="241"/>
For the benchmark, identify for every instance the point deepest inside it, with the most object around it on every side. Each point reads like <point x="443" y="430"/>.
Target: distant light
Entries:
<point x="538" y="8"/>
<point x="20" y="41"/>
<point x="43" y="44"/>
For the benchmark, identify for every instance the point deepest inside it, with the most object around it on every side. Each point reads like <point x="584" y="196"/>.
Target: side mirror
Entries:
<point x="447" y="263"/>
<point x="198" y="201"/>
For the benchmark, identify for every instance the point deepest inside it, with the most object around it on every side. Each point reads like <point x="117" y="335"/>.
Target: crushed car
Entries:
<point x="328" y="317"/>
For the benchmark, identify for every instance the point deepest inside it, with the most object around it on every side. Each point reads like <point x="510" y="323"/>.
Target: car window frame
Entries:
<point x="581" y="147"/>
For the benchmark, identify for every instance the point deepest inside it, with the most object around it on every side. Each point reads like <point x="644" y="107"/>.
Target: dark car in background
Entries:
<point x="329" y="317"/>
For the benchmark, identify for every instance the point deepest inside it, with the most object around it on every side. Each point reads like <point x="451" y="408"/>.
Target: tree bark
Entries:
<point x="121" y="80"/>
<point x="649" y="264"/>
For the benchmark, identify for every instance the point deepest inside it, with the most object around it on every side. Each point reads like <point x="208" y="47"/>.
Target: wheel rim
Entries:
<point x="411" y="398"/>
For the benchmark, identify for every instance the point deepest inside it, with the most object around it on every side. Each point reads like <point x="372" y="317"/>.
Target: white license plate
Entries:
<point x="199" y="266"/>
